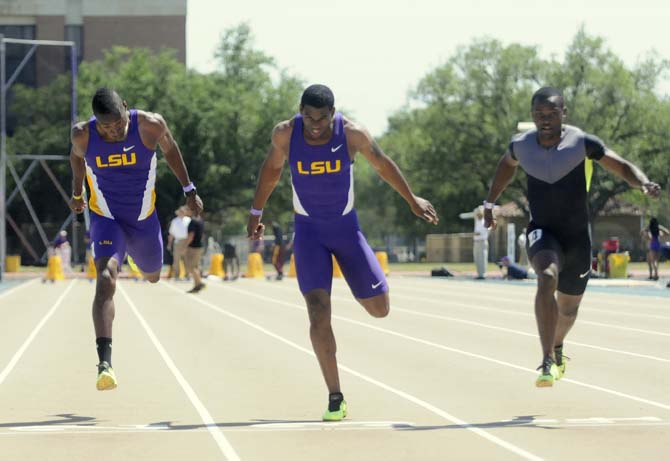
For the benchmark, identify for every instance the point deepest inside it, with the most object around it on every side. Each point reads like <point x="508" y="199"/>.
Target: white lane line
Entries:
<point x="451" y="349"/>
<point x="516" y="332"/>
<point x="539" y="423"/>
<point x="19" y="287"/>
<point x="433" y="409"/>
<point x="33" y="334"/>
<point x="522" y="314"/>
<point x="612" y="299"/>
<point x="497" y="328"/>
<point x="597" y="421"/>
<point x="337" y="425"/>
<point x="212" y="427"/>
<point x="587" y="302"/>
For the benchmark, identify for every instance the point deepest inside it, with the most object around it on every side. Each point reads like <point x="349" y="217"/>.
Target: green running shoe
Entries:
<point x="336" y="415"/>
<point x="560" y="361"/>
<point x="106" y="378"/>
<point x="548" y="373"/>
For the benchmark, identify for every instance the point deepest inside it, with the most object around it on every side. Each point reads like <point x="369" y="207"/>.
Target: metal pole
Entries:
<point x="4" y="87"/>
<point x="73" y="67"/>
<point x="23" y="41"/>
<point x="73" y="120"/>
<point x="24" y="176"/>
<point x="3" y="159"/>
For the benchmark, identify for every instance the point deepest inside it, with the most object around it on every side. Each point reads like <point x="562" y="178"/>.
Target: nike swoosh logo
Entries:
<point x="581" y="276"/>
<point x="335" y="149"/>
<point x="375" y="285"/>
<point x="126" y="149"/>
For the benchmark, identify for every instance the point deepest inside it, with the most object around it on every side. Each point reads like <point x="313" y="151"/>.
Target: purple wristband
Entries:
<point x="256" y="212"/>
<point x="189" y="187"/>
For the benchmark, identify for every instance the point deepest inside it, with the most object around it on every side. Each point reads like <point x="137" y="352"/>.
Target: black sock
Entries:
<point x="558" y="353"/>
<point x="104" y="349"/>
<point x="334" y="401"/>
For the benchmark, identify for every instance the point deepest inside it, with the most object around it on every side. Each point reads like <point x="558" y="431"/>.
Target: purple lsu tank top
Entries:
<point x="322" y="176"/>
<point x="121" y="175"/>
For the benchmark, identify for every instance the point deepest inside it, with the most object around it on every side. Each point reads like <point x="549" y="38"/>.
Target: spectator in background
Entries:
<point x="194" y="249"/>
<point x="87" y="246"/>
<point x="652" y="234"/>
<point x="257" y="246"/>
<point x="176" y="243"/>
<point x="231" y="263"/>
<point x="61" y="247"/>
<point x="512" y="270"/>
<point x="279" y="250"/>
<point x="480" y="244"/>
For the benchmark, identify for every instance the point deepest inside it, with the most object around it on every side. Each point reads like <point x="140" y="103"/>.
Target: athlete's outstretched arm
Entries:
<point x="268" y="177"/>
<point x="388" y="170"/>
<point x="173" y="156"/>
<point x="78" y="137"/>
<point x="630" y="173"/>
<point x="503" y="176"/>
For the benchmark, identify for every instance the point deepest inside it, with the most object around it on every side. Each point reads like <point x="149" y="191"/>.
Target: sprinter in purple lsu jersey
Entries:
<point x="115" y="151"/>
<point x="320" y="146"/>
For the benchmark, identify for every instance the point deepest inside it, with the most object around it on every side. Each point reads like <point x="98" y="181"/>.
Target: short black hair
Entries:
<point x="545" y="93"/>
<point x="107" y="102"/>
<point x="318" y="96"/>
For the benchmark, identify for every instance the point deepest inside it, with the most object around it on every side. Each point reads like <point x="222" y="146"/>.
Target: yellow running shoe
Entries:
<point x="106" y="378"/>
<point x="560" y="361"/>
<point x="337" y="414"/>
<point x="548" y="373"/>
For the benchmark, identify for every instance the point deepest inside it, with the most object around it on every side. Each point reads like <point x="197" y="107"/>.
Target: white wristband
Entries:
<point x="488" y="205"/>
<point x="255" y="212"/>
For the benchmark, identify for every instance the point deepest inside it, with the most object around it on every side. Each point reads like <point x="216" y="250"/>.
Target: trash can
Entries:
<point x="608" y="247"/>
<point x="13" y="263"/>
<point x="618" y="265"/>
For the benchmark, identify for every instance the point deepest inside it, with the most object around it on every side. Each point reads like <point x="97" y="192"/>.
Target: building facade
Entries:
<point x="94" y="25"/>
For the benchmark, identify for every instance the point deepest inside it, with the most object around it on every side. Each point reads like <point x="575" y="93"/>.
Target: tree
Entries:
<point x="461" y="116"/>
<point x="458" y="123"/>
<point x="621" y="106"/>
<point x="222" y="122"/>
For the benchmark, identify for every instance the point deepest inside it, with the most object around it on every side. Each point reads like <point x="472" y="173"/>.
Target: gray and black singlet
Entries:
<point x="558" y="181"/>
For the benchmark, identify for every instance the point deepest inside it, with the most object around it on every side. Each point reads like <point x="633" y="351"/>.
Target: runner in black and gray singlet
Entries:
<point x="557" y="160"/>
<point x="558" y="180"/>
<point x="558" y="177"/>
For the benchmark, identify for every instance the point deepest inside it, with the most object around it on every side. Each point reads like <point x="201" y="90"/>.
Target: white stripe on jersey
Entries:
<point x="297" y="206"/>
<point x="99" y="197"/>
<point x="148" y="199"/>
<point x="350" y="198"/>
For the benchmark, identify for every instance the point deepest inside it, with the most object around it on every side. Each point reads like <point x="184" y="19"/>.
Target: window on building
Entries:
<point x="16" y="53"/>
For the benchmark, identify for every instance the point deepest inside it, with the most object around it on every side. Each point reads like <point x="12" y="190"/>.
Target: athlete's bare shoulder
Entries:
<point x="281" y="133"/>
<point x="152" y="127"/>
<point x="79" y="131"/>
<point x="150" y="120"/>
<point x="358" y="137"/>
<point x="79" y="137"/>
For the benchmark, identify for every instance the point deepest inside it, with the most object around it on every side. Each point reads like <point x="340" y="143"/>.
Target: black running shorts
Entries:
<point x="574" y="256"/>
